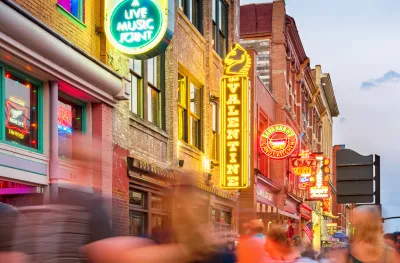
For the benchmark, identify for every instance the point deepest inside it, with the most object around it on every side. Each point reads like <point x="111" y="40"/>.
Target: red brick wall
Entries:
<point x="120" y="191"/>
<point x="278" y="82"/>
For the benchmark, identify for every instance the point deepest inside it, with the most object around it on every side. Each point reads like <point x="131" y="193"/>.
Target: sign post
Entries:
<point x="355" y="178"/>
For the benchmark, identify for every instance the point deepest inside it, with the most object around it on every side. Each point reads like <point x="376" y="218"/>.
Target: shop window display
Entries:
<point x="21" y="111"/>
<point x="70" y="120"/>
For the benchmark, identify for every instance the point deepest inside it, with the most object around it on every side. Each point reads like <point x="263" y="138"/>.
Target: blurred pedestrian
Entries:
<point x="8" y="217"/>
<point x="390" y="240"/>
<point x="366" y="242"/>
<point x="74" y="216"/>
<point x="309" y="252"/>
<point x="251" y="246"/>
<point x="297" y="243"/>
<point x="279" y="249"/>
<point x="190" y="242"/>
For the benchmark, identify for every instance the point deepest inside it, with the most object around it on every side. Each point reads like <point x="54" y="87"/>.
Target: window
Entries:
<point x="158" y="202"/>
<point x="70" y="120"/>
<point x="193" y="9"/>
<point x="136" y="69"/>
<point x="137" y="222"/>
<point x="147" y="89"/>
<point x="189" y="112"/>
<point x="148" y="213"/>
<point x="21" y="111"/>
<point x="215" y="131"/>
<point x="75" y="7"/>
<point x="137" y="198"/>
<point x="153" y="92"/>
<point x="220" y="26"/>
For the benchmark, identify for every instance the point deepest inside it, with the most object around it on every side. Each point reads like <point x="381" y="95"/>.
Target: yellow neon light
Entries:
<point x="234" y="102"/>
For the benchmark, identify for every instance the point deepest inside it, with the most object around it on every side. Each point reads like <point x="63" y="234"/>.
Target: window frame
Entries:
<point x="79" y="103"/>
<point x="39" y="85"/>
<point x="216" y="32"/>
<point x="187" y="7"/>
<point x="188" y="114"/>
<point x="82" y="11"/>
<point x="143" y="102"/>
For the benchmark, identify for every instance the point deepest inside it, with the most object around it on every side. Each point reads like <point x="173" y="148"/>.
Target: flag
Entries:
<point x="288" y="225"/>
<point x="308" y="230"/>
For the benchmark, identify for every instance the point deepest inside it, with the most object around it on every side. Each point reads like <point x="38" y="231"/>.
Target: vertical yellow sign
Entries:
<point x="234" y="116"/>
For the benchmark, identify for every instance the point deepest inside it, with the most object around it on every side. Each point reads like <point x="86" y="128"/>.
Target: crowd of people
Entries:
<point x="74" y="227"/>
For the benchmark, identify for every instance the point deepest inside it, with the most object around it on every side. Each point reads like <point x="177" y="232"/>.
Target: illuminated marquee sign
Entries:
<point x="234" y="120"/>
<point x="319" y="188"/>
<point x="139" y="28"/>
<point x="278" y="141"/>
<point x="16" y="117"/>
<point x="305" y="166"/>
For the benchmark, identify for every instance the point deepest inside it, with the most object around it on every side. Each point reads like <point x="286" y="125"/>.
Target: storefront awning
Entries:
<point x="24" y="37"/>
<point x="284" y="213"/>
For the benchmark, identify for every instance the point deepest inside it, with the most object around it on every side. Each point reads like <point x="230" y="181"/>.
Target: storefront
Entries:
<point x="306" y="217"/>
<point x="267" y="202"/>
<point x="149" y="198"/>
<point x="49" y="90"/>
<point x="291" y="216"/>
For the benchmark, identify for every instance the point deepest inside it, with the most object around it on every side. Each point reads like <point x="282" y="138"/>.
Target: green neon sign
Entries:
<point x="138" y="27"/>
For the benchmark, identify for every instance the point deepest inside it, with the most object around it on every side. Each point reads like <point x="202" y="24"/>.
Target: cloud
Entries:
<point x="342" y="120"/>
<point x="389" y="78"/>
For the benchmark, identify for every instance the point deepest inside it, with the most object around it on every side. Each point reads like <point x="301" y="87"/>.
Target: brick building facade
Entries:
<point x="298" y="100"/>
<point x="151" y="152"/>
<point x="54" y="67"/>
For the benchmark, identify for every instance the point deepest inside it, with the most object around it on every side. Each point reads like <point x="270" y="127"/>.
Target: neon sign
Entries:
<point x="304" y="182"/>
<point x="319" y="189"/>
<point x="278" y="141"/>
<point x="136" y="27"/>
<point x="305" y="164"/>
<point x="64" y="119"/>
<point x="16" y="117"/>
<point x="234" y="120"/>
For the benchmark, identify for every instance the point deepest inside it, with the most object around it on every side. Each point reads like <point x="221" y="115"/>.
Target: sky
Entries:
<point x="357" y="42"/>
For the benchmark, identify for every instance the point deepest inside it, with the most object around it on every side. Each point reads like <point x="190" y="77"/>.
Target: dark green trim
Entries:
<point x="71" y="17"/>
<point x="2" y="101"/>
<point x="39" y="85"/>
<point x="24" y="170"/>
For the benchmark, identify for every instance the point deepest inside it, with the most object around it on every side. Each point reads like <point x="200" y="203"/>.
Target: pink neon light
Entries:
<point x="11" y="105"/>
<point x="64" y="116"/>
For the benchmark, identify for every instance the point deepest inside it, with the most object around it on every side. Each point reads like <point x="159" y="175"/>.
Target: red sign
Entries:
<point x="319" y="187"/>
<point x="64" y="116"/>
<point x="305" y="211"/>
<point x="278" y="141"/>
<point x="16" y="116"/>
<point x="304" y="182"/>
<point x="290" y="207"/>
<point x="264" y="195"/>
